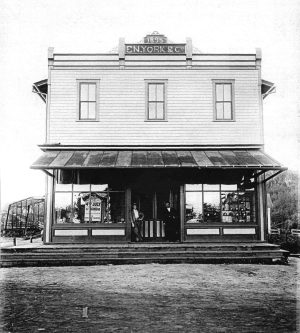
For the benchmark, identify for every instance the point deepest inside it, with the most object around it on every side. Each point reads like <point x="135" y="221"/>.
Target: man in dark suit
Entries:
<point x="171" y="223"/>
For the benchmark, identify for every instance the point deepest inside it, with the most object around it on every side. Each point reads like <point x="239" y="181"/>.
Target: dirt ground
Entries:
<point x="150" y="298"/>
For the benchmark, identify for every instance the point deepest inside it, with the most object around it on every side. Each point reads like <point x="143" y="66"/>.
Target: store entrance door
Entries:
<point x="151" y="202"/>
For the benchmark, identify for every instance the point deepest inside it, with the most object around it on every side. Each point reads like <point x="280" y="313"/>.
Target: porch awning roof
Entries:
<point x="91" y="159"/>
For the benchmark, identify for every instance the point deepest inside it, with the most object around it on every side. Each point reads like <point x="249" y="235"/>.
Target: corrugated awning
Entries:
<point x="89" y="159"/>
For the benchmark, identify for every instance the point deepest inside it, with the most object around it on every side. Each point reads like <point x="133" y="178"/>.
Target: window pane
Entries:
<point x="84" y="110"/>
<point x="152" y="111"/>
<point x="82" y="187"/>
<point x="227" y="110"/>
<point x="65" y="176"/>
<point x="230" y="210"/>
<point x="100" y="187"/>
<point x="212" y="187"/>
<point x="160" y="110"/>
<point x="92" y="110"/>
<point x="211" y="206"/>
<point x="160" y="92"/>
<point x="219" y="92"/>
<point x="152" y="92"/>
<point x="63" y="187"/>
<point x="80" y="207"/>
<point x="193" y="207"/>
<point x="63" y="207"/>
<point x="193" y="187"/>
<point x="229" y="187"/>
<point x="117" y="207"/>
<point x="227" y="92"/>
<point x="92" y="92"/>
<point x="99" y="208"/>
<point x="219" y="107"/>
<point x="83" y="92"/>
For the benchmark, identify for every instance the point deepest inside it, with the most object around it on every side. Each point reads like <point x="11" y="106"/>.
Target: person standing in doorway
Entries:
<point x="137" y="218"/>
<point x="171" y="223"/>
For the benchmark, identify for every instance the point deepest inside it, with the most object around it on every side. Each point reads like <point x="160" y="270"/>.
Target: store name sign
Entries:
<point x="155" y="48"/>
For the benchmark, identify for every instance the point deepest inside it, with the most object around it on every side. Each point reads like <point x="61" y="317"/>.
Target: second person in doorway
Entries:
<point x="137" y="218"/>
<point x="171" y="223"/>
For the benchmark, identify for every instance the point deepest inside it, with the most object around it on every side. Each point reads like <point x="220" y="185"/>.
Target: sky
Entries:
<point x="28" y="28"/>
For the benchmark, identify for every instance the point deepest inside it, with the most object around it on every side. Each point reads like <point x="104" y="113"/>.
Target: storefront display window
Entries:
<point x="194" y="213"/>
<point x="215" y="203"/>
<point x="88" y="203"/>
<point x="211" y="206"/>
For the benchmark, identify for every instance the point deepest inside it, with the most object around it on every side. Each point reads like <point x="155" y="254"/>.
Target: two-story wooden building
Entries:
<point x="155" y="122"/>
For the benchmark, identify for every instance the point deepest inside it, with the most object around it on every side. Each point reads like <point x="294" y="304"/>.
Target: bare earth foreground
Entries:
<point x="150" y="298"/>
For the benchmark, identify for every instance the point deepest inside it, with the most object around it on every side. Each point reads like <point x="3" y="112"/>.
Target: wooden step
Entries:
<point x="121" y="254"/>
<point x="142" y="248"/>
<point x="120" y="257"/>
<point x="128" y="261"/>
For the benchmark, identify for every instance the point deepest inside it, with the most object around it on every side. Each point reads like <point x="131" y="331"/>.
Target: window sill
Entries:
<point x="156" y="121"/>
<point x="220" y="224"/>
<point x="224" y="121"/>
<point x="89" y="225"/>
<point x="87" y="121"/>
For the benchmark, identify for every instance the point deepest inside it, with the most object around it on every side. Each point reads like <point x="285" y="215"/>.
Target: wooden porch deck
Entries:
<point x="140" y="253"/>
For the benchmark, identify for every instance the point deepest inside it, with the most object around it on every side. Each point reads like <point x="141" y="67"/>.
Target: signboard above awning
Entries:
<point x="91" y="159"/>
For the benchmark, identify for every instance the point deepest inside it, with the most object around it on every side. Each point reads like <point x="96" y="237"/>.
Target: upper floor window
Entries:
<point x="87" y="100"/>
<point x="223" y="100"/>
<point x="156" y="100"/>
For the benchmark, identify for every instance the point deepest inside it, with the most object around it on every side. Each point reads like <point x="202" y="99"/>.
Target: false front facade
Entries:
<point x="151" y="124"/>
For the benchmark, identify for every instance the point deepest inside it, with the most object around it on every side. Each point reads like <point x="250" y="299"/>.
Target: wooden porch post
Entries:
<point x="127" y="212"/>
<point x="182" y="213"/>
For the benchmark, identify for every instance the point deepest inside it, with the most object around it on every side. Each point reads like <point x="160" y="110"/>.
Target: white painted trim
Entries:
<point x="152" y="147"/>
<point x="158" y="81"/>
<point x="71" y="232"/>
<point x="244" y="231"/>
<point x="225" y="81"/>
<point x="213" y="231"/>
<point x="108" y="232"/>
<point x="87" y="81"/>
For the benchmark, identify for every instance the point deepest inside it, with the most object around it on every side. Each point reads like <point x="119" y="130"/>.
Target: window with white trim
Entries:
<point x="87" y="100"/>
<point x="224" y="100"/>
<point x="156" y="101"/>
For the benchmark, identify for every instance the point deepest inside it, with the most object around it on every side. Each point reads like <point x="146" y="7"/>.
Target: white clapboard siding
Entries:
<point x="122" y="108"/>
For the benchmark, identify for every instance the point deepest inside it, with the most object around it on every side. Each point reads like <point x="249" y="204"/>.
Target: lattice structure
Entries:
<point x="24" y="215"/>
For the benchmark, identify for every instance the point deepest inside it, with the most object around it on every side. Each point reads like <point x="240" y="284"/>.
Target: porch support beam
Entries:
<point x="272" y="176"/>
